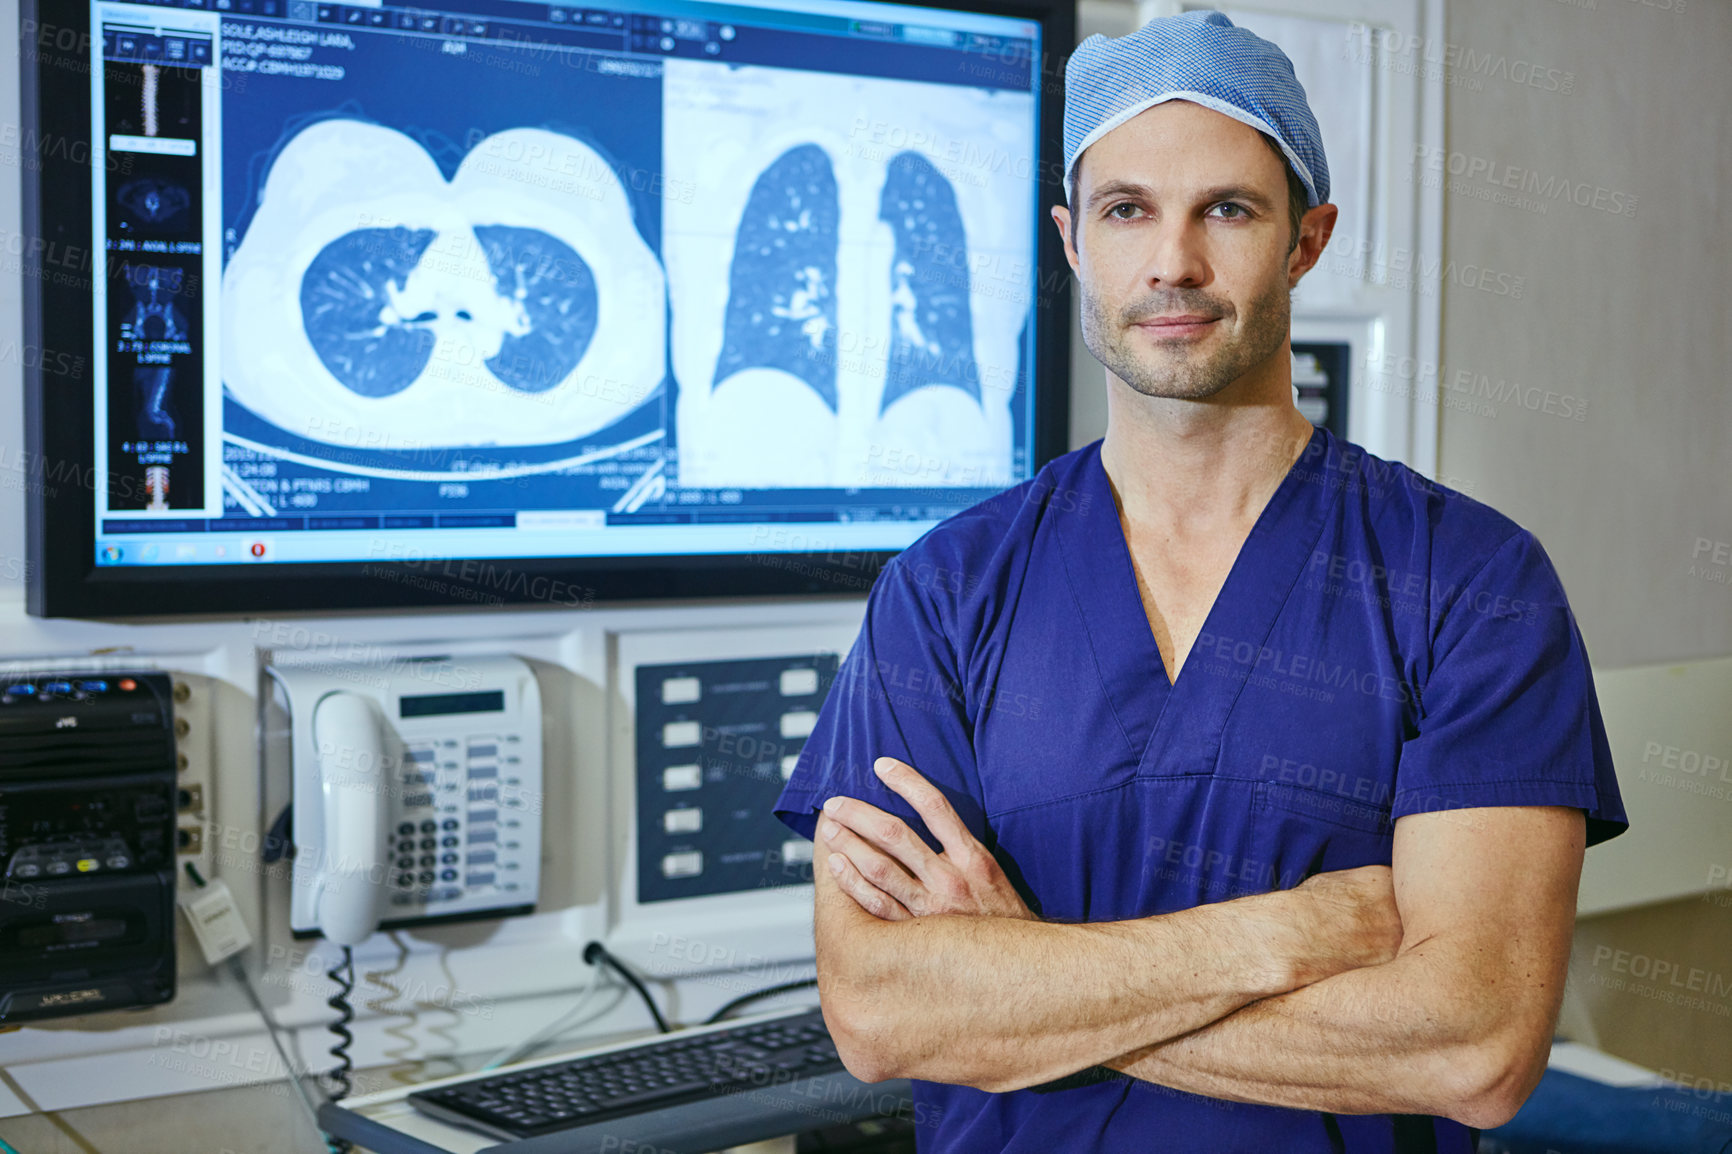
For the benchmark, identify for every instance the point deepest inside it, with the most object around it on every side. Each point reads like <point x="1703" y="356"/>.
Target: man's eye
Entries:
<point x="1232" y="211"/>
<point x="1122" y="211"/>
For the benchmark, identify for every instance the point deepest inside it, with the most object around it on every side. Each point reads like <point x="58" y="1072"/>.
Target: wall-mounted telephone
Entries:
<point x="416" y="791"/>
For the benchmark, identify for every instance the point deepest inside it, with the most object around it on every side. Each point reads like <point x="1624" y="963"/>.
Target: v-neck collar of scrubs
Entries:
<point x="1175" y="728"/>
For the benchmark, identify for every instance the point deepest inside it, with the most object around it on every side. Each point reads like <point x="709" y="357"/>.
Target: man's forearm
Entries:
<point x="1002" y="1003"/>
<point x="1427" y="1033"/>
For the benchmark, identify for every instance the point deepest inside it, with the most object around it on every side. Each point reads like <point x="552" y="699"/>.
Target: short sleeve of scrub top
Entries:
<point x="897" y="694"/>
<point x="1508" y="714"/>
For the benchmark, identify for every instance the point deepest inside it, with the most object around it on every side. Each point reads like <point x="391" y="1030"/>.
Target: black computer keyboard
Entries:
<point x="668" y="1071"/>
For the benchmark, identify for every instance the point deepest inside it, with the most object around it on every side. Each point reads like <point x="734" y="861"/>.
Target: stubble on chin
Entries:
<point x="1182" y="372"/>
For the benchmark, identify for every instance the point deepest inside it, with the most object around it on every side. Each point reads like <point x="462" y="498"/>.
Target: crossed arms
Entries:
<point x="1429" y="987"/>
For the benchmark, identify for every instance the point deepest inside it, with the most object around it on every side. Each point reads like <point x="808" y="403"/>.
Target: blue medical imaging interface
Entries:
<point x="501" y="279"/>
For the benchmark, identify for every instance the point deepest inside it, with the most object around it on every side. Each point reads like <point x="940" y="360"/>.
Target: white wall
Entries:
<point x="1629" y="312"/>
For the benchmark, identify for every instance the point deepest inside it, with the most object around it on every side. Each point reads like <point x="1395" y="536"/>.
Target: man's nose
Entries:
<point x="1176" y="256"/>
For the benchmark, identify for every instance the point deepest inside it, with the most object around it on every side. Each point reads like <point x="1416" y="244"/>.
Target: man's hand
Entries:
<point x="1351" y="922"/>
<point x="892" y="873"/>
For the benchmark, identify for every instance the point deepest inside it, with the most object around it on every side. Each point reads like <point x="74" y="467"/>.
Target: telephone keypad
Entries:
<point x="460" y="782"/>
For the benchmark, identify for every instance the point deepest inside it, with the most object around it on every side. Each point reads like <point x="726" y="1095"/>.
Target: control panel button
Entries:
<point x="679" y="734"/>
<point x="682" y="865"/>
<point x="799" y="723"/>
<point x="678" y="777"/>
<point x="688" y="820"/>
<point x="681" y="690"/>
<point x="799" y="682"/>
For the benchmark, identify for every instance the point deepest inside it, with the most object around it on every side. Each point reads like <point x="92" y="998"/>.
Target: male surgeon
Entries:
<point x="1224" y="787"/>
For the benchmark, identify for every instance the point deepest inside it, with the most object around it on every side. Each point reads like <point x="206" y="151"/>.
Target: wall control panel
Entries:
<point x="715" y="741"/>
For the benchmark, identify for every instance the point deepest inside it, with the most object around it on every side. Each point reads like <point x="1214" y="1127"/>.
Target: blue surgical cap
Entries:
<point x="1202" y="57"/>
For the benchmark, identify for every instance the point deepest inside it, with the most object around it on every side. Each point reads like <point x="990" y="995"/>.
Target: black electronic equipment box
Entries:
<point x="87" y="843"/>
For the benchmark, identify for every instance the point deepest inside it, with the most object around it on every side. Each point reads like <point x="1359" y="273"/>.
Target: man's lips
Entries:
<point x="1187" y="324"/>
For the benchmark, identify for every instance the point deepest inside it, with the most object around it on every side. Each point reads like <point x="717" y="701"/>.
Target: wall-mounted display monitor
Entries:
<point x="485" y="301"/>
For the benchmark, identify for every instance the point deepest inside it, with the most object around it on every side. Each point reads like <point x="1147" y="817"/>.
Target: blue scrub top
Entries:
<point x="1382" y="646"/>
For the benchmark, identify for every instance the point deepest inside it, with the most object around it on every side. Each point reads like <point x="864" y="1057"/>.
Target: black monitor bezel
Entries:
<point x="56" y="267"/>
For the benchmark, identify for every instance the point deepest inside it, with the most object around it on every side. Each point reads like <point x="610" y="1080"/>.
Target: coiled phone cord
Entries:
<point x="343" y="973"/>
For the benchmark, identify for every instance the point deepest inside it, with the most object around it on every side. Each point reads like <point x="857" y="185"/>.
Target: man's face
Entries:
<point x="1181" y="251"/>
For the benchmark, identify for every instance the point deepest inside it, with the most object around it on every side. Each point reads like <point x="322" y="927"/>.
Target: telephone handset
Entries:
<point x="355" y="780"/>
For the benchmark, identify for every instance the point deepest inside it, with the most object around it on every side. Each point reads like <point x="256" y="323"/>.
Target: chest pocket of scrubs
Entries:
<point x="1307" y="831"/>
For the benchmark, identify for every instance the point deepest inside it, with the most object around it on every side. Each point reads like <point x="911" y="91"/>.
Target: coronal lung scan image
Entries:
<point x="838" y="297"/>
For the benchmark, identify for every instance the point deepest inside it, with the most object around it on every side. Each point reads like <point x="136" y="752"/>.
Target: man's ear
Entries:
<point x="1061" y="217"/>
<point x="1315" y="229"/>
